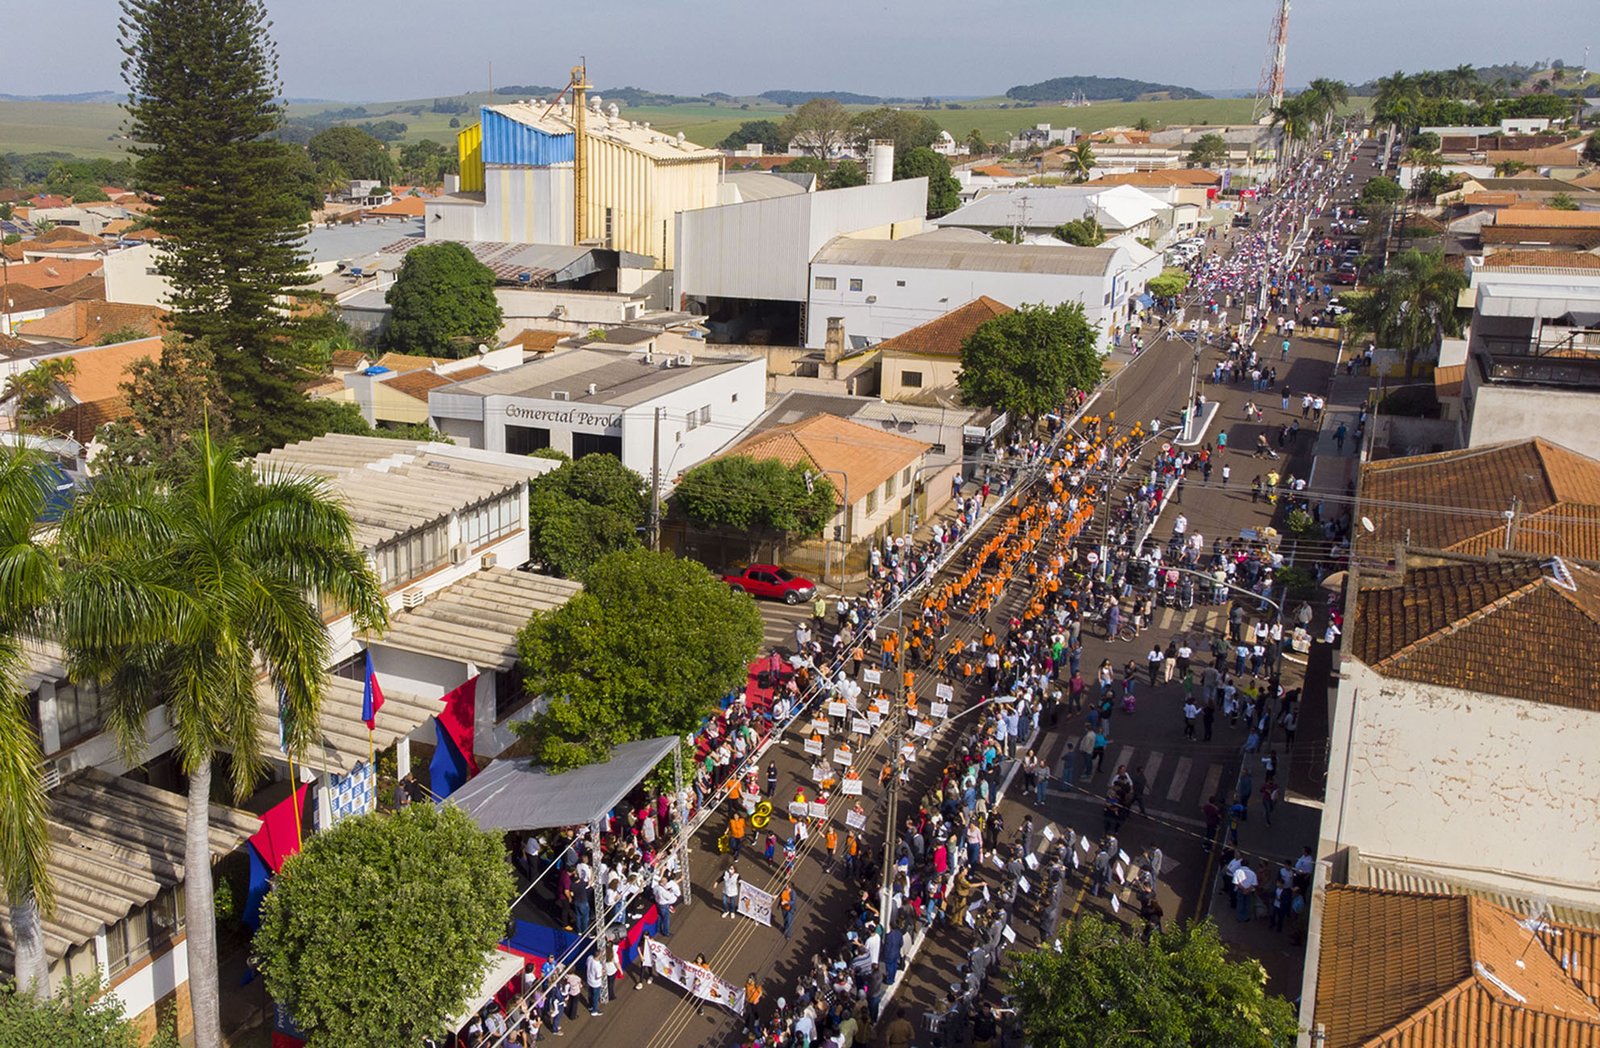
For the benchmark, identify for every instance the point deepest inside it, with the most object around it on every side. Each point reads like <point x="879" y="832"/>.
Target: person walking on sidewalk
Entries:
<point x="1339" y="435"/>
<point x="730" y="891"/>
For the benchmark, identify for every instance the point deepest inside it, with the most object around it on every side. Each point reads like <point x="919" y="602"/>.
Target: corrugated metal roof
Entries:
<point x="342" y="735"/>
<point x="476" y="619"/>
<point x="555" y="125"/>
<point x="920" y="253"/>
<point x="622" y="378"/>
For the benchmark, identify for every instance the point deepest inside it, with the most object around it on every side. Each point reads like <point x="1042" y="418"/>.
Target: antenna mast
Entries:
<point x="580" y="156"/>
<point x="1269" y="93"/>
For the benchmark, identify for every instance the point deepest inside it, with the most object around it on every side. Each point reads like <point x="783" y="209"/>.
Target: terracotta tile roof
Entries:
<point x="1408" y="970"/>
<point x="1455" y="501"/>
<point x="1182" y="176"/>
<point x="1588" y="181"/>
<point x="1488" y="199"/>
<point x="82" y="422"/>
<point x="63" y="236"/>
<point x="416" y="384"/>
<point x="1447" y="380"/>
<point x="759" y="163"/>
<point x="49" y="200"/>
<point x="407" y="362"/>
<point x="944" y="335"/>
<point x="85" y="323"/>
<point x="996" y="171"/>
<point x="1577" y="237"/>
<point x="405" y="207"/>
<point x="25" y="299"/>
<point x="142" y="234"/>
<point x="1536" y="259"/>
<point x="1550" y="156"/>
<point x="1548" y="218"/>
<point x="89" y="289"/>
<point x="866" y="455"/>
<point x="102" y="371"/>
<point x="348" y="358"/>
<point x="534" y="340"/>
<point x="1486" y="626"/>
<point x="11" y="252"/>
<point x="51" y="272"/>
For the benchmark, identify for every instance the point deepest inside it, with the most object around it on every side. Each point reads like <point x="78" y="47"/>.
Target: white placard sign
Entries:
<point x="1010" y="935"/>
<point x="843" y="756"/>
<point x="1116" y="904"/>
<point x="856" y="820"/>
<point x="909" y="752"/>
<point x="755" y="903"/>
<point x="850" y="787"/>
<point x="1022" y="883"/>
<point x="1049" y="833"/>
<point x="861" y="726"/>
<point x="798" y="809"/>
<point x="944" y="692"/>
<point x="922" y="728"/>
<point x="874" y="718"/>
<point x="820" y="727"/>
<point x="819" y="810"/>
<point x="1032" y="861"/>
<point x="836" y="709"/>
<point x="999" y="864"/>
<point x="871" y="676"/>
<point x="939" y="710"/>
<point x="1083" y="842"/>
<point x="814" y="747"/>
<point x="1121" y="873"/>
<point x="1123" y="855"/>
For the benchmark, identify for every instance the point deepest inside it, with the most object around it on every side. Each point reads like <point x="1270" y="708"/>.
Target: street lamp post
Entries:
<point x="844" y="554"/>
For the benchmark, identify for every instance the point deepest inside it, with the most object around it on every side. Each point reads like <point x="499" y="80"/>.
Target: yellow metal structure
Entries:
<point x="469" y="153"/>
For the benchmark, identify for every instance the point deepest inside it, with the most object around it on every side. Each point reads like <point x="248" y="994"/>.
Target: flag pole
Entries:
<point x="370" y="760"/>
<point x="294" y="802"/>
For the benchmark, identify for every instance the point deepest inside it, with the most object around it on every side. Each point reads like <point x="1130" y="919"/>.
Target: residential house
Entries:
<point x="89" y="323"/>
<point x="22" y="304"/>
<point x="922" y="365"/>
<point x="51" y="273"/>
<point x="1400" y="969"/>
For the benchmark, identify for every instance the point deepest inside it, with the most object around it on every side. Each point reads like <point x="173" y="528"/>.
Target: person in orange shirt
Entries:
<point x="736" y="829"/>
<point x="830" y="840"/>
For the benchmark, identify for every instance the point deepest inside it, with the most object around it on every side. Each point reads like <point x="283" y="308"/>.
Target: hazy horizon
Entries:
<point x="416" y="50"/>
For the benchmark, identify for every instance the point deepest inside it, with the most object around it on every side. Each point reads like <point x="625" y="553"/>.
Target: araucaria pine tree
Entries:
<point x="203" y="99"/>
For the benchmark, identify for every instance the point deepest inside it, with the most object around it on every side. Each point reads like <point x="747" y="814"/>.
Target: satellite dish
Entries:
<point x="1366" y="522"/>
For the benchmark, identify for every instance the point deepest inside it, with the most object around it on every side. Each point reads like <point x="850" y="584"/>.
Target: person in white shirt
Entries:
<point x="730" y="891"/>
<point x="667" y="894"/>
<point x="1244" y="890"/>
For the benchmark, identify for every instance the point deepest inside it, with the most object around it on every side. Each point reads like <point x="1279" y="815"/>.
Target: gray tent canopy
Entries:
<point x="515" y="795"/>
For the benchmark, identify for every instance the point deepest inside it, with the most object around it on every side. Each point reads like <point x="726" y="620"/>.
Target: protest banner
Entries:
<point x="755" y="903"/>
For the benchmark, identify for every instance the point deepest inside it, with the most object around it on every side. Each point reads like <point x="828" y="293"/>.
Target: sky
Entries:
<point x="402" y="49"/>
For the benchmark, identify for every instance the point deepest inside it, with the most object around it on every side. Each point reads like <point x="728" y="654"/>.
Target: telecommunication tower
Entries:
<point x="1269" y="93"/>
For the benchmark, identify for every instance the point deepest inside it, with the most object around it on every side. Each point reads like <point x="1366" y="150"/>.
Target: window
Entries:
<point x="488" y="521"/>
<point x="937" y="449"/>
<point x="705" y="415"/>
<point x="911" y="379"/>
<point x="525" y="440"/>
<point x="691" y="420"/>
<point x="608" y="227"/>
<point x="872" y="501"/>
<point x="899" y="283"/>
<point x="890" y="486"/>
<point x="354" y="668"/>
<point x="855" y="283"/>
<point x="77" y="963"/>
<point x="410" y="556"/>
<point x="596" y="443"/>
<point x="905" y="477"/>
<point x="825" y="284"/>
<point x="509" y="694"/>
<point x="78" y="711"/>
<point x="145" y="930"/>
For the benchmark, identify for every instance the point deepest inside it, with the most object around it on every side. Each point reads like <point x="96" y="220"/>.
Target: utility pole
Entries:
<point x="655" y="483"/>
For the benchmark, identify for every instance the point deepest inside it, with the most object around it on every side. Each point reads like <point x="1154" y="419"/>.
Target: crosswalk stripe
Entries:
<point x="1180" y="778"/>
<point x="1213" y="780"/>
<point x="1152" y="767"/>
<point x="1164" y="619"/>
<point x="1122" y="757"/>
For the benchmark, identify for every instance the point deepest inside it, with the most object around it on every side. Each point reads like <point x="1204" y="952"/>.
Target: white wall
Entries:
<point x="130" y="278"/>
<point x="930" y="293"/>
<point x="166" y="972"/>
<point x="575" y="311"/>
<point x="1500" y="413"/>
<point x="1500" y="789"/>
<point x="761" y="249"/>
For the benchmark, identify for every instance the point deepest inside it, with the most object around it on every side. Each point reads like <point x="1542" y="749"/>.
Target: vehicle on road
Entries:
<point x="1336" y="308"/>
<point x="1346" y="274"/>
<point x="770" y="582"/>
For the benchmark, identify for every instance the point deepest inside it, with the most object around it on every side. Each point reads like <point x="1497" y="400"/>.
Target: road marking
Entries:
<point x="1213" y="780"/>
<point x="1122" y="758"/>
<point x="1164" y="620"/>
<point x="1152" y="765"/>
<point x="1180" y="778"/>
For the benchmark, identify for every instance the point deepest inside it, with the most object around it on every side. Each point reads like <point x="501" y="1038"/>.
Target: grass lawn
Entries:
<point x="81" y="128"/>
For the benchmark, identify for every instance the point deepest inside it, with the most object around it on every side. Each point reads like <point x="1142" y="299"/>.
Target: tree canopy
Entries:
<point x="1027" y="362"/>
<point x="646" y="649"/>
<point x="760" y="496"/>
<point x="1169" y="284"/>
<point x="353" y="151"/>
<point x="427" y="162"/>
<point x="906" y="128"/>
<point x="846" y="173"/>
<point x="442" y="302"/>
<point x="582" y="510"/>
<point x="944" y="192"/>
<point x="1210" y="148"/>
<point x="377" y="932"/>
<point x="764" y="133"/>
<point x="1380" y="194"/>
<point x="1105" y="990"/>
<point x="81" y="1016"/>
<point x="822" y="125"/>
<point x="1412" y="303"/>
<point x="204" y="101"/>
<point x="1083" y="232"/>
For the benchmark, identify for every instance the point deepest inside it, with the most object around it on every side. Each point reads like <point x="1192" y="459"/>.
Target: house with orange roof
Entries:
<point x="924" y="363"/>
<point x="874" y="472"/>
<point x="21" y="304"/>
<point x="91" y="395"/>
<point x="48" y="274"/>
<point x="88" y="322"/>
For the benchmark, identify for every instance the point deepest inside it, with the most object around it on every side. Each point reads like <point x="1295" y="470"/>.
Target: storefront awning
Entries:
<point x="513" y="794"/>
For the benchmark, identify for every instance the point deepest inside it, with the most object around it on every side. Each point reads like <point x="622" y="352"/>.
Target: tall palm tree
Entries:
<point x="187" y="593"/>
<point x="28" y="584"/>
<point x="1293" y="118"/>
<point x="1412" y="304"/>
<point x="1080" y="161"/>
<point x="1394" y="98"/>
<point x="1330" y="95"/>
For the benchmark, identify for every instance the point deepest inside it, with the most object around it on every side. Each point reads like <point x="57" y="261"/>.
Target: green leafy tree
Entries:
<point x="1081" y="232"/>
<point x="762" y="497"/>
<point x="1423" y="140"/>
<point x="427" y="162"/>
<point x="977" y="145"/>
<point x="1412" y="303"/>
<point x="1005" y="235"/>
<point x="808" y="165"/>
<point x="379" y="930"/>
<point x="86" y="191"/>
<point x="845" y="174"/>
<point x="764" y="133"/>
<point x="944" y="192"/>
<point x="906" y="128"/>
<point x="1210" y="148"/>
<point x="82" y="1015"/>
<point x="1563" y="202"/>
<point x="204" y="98"/>
<point x="645" y="650"/>
<point x="1028" y="361"/>
<point x="126" y="333"/>
<point x="1169" y="284"/>
<point x="1103" y="989"/>
<point x="1080" y="161"/>
<point x="170" y="399"/>
<point x="822" y="125"/>
<point x="1591" y="148"/>
<point x="442" y="302"/>
<point x="1379" y="195"/>
<point x="357" y="153"/>
<point x="36" y="390"/>
<point x="583" y="510"/>
<point x="1295" y="118"/>
<point x="186" y="593"/>
<point x="29" y="583"/>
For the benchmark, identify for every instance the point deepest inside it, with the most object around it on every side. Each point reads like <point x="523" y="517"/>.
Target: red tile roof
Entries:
<point x="51" y="272"/>
<point x="1538" y="259"/>
<point x="100" y="372"/>
<point x="943" y="336"/>
<point x="20" y="298"/>
<point x="416" y="384"/>
<point x="1408" y="970"/>
<point x="86" y="323"/>
<point x="866" y="455"/>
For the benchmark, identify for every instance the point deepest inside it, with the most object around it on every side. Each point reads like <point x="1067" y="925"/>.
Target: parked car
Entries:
<point x="1336" y="308"/>
<point x="1346" y="274"/>
<point x="770" y="582"/>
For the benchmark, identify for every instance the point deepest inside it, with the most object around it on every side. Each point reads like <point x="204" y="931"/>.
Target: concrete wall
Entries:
<point x="575" y="311"/>
<point x="936" y="372"/>
<point x="130" y="277"/>
<point x="1497" y="789"/>
<point x="1498" y="413"/>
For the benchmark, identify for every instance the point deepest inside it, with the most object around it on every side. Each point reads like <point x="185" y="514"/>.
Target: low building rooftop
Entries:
<point x="620" y="377"/>
<point x="934" y="252"/>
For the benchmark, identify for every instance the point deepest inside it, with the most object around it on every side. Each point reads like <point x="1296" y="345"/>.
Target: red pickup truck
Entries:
<point x="772" y="583"/>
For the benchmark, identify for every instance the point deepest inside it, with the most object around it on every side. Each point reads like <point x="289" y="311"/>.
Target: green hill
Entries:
<point x="1099" y="89"/>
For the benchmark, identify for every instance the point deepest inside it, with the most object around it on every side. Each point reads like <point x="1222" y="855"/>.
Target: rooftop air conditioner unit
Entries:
<point x="594" y="387"/>
<point x="50" y="775"/>
<point x="671" y="362"/>
<point x="560" y="394"/>
<point x="685" y="359"/>
<point x="411" y="598"/>
<point x="649" y="357"/>
<point x="458" y="553"/>
<point x="488" y="560"/>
